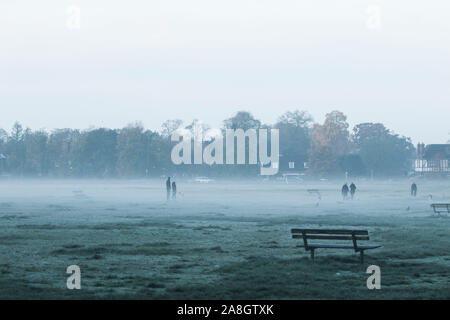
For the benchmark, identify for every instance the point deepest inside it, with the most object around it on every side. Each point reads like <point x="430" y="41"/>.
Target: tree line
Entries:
<point x="322" y="150"/>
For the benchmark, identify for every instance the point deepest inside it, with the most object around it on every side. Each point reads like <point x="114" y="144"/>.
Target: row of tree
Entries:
<point x="319" y="149"/>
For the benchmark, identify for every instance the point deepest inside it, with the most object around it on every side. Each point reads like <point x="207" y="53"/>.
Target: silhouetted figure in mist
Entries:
<point x="344" y="191"/>
<point x="414" y="189"/>
<point x="352" y="190"/>
<point x="168" y="187"/>
<point x="174" y="191"/>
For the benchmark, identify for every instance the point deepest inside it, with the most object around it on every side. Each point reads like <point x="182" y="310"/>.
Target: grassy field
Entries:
<point x="223" y="240"/>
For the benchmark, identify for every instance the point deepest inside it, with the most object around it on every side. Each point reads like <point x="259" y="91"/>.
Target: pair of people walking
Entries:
<point x="346" y="189"/>
<point x="171" y="188"/>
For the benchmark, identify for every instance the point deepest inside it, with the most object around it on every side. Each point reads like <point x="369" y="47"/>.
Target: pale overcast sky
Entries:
<point x="153" y="60"/>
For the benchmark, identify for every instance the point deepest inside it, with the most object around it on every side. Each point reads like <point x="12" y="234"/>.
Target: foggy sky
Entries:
<point x="165" y="59"/>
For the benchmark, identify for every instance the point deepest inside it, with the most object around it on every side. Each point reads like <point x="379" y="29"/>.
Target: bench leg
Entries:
<point x="312" y="255"/>
<point x="361" y="254"/>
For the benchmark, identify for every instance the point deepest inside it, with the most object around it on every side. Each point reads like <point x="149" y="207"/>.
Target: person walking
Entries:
<point x="352" y="190"/>
<point x="413" y="189"/>
<point x="168" y="187"/>
<point x="344" y="191"/>
<point x="174" y="191"/>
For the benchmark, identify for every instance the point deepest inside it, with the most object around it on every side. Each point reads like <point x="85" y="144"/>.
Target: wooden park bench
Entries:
<point x="327" y="234"/>
<point x="441" y="208"/>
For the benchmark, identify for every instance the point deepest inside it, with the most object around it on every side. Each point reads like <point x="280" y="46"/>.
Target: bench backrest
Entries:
<point x="330" y="234"/>
<point x="441" y="207"/>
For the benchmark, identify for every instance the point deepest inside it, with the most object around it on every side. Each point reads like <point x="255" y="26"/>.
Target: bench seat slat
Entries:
<point x="341" y="246"/>
<point x="324" y="231"/>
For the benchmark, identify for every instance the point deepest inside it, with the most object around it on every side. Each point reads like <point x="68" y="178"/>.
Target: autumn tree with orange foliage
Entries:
<point x="328" y="142"/>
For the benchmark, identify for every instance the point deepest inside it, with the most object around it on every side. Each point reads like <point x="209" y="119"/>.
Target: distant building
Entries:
<point x="432" y="159"/>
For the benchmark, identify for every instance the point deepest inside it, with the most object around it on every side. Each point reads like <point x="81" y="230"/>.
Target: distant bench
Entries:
<point x="327" y="234"/>
<point x="315" y="191"/>
<point x="441" y="208"/>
